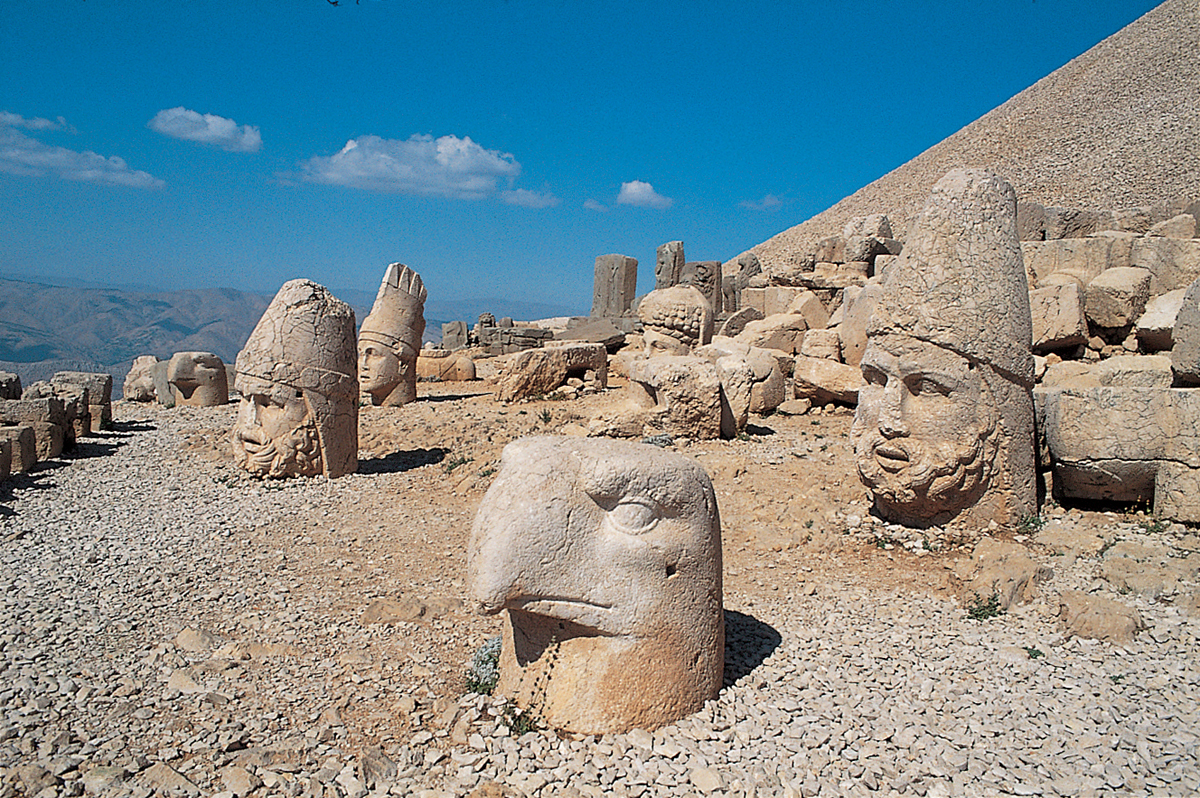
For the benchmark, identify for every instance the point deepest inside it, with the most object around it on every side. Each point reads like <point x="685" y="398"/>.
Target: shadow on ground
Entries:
<point x="748" y="641"/>
<point x="398" y="462"/>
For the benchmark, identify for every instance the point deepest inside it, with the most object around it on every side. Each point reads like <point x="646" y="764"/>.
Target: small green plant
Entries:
<point x="883" y="541"/>
<point x="1033" y="652"/>
<point x="484" y="670"/>
<point x="545" y="416"/>
<point x="743" y="436"/>
<point x="981" y="609"/>
<point x="1154" y="526"/>
<point x="808" y="524"/>
<point x="816" y="422"/>
<point x="1108" y="544"/>
<point x="1030" y="524"/>
<point x="487" y="472"/>
<point x="455" y="462"/>
<point x="1117" y="677"/>
<point x="519" y="721"/>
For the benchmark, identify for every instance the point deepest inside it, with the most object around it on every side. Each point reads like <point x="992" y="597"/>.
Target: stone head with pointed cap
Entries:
<point x="944" y="426"/>
<point x="297" y="376"/>
<point x="390" y="339"/>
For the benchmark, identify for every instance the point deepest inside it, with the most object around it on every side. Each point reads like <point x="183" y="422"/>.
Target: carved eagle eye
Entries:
<point x="634" y="516"/>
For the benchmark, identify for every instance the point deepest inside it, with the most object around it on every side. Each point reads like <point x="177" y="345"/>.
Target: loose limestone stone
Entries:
<point x="1031" y="221"/>
<point x="606" y="558"/>
<point x="139" y="382"/>
<point x="675" y="320"/>
<point x="1058" y="317"/>
<point x="1099" y="618"/>
<point x="47" y="418"/>
<point x="539" y="371"/>
<point x="737" y="322"/>
<point x="162" y="388"/>
<point x="444" y="366"/>
<point x="852" y="330"/>
<point x="1172" y="262"/>
<point x="824" y="344"/>
<point x="680" y="395"/>
<point x="1070" y="222"/>
<point x="1004" y="570"/>
<point x="1155" y="328"/>
<point x="821" y="380"/>
<point x="1082" y="258"/>
<point x="1133" y="371"/>
<point x="390" y="339"/>
<point x="10" y="385"/>
<point x="1182" y="226"/>
<point x="23" y="453"/>
<point x="299" y="386"/>
<point x="99" y="389"/>
<point x="1117" y="297"/>
<point x="1185" y="356"/>
<point x="782" y="331"/>
<point x="198" y="379"/>
<point x="944" y="426"/>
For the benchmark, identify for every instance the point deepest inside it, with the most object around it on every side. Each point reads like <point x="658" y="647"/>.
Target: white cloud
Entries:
<point x="36" y="123"/>
<point x="767" y="203"/>
<point x="181" y="123"/>
<point x="22" y="155"/>
<point x="593" y="205"/>
<point x="642" y="195"/>
<point x="529" y="199"/>
<point x="444" y="167"/>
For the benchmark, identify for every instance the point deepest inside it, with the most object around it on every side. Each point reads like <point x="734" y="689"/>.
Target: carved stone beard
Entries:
<point x="297" y="453"/>
<point x="941" y="479"/>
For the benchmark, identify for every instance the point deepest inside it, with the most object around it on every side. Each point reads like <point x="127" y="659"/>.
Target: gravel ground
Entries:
<point x="170" y="625"/>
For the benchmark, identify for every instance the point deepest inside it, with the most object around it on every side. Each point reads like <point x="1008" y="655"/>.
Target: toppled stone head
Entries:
<point x="139" y="382"/>
<point x="606" y="556"/>
<point x="390" y="339"/>
<point x="198" y="379"/>
<point x="297" y="377"/>
<point x="675" y="320"/>
<point x="944" y="427"/>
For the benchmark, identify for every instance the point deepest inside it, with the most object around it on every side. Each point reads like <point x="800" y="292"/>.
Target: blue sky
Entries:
<point x="495" y="147"/>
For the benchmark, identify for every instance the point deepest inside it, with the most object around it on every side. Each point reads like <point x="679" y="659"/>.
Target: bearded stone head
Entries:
<point x="299" y="407"/>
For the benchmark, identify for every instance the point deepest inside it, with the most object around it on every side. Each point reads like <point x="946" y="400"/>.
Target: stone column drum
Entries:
<point x="606" y="558"/>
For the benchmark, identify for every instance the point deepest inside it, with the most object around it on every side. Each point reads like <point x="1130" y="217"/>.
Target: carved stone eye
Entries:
<point x="634" y="516"/>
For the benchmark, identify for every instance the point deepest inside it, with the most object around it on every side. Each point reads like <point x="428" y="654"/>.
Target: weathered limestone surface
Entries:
<point x="76" y="421"/>
<point x="852" y="330"/>
<point x="99" y="389"/>
<point x="1155" y="328"/>
<point x="738" y="321"/>
<point x="1058" y="317"/>
<point x="782" y="331"/>
<point x="821" y="380"/>
<point x="705" y="276"/>
<point x="1070" y="222"/>
<point x="668" y="265"/>
<point x="198" y="379"/>
<point x="299" y="386"/>
<point x="1185" y="356"/>
<point x="766" y="387"/>
<point x="139" y="382"/>
<point x="1117" y="297"/>
<point x="1001" y="569"/>
<point x="1133" y="371"/>
<point x="390" y="339"/>
<point x="1098" y="617"/>
<point x="944" y="426"/>
<point x="825" y="344"/>
<point x="23" y="454"/>
<point x="606" y="558"/>
<point x="162" y="388"/>
<point x="444" y="366"/>
<point x="455" y="335"/>
<point x="1182" y="227"/>
<point x="1173" y="263"/>
<point x="675" y="320"/>
<point x="1084" y="258"/>
<point x="615" y="285"/>
<point x="46" y="416"/>
<point x="1031" y="221"/>
<point x="1113" y="443"/>
<point x="678" y="395"/>
<point x="10" y="385"/>
<point x="539" y="371"/>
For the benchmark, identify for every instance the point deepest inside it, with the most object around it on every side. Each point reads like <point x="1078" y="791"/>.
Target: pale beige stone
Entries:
<point x="1117" y="297"/>
<point x="783" y="331"/>
<point x="1069" y="374"/>
<point x="1099" y="618"/>
<point x="198" y="379"/>
<point x="852" y="330"/>
<point x="139" y="382"/>
<point x="668" y="264"/>
<point x="605" y="557"/>
<point x="678" y="395"/>
<point x="536" y="372"/>
<point x="876" y="225"/>
<point x="1134" y="371"/>
<point x="99" y="391"/>
<point x="615" y="285"/>
<point x="1155" y="328"/>
<point x="299" y="385"/>
<point x="809" y="305"/>
<point x="1083" y="258"/>
<point x="47" y="417"/>
<point x="738" y="321"/>
<point x="390" y="339"/>
<point x="1181" y="226"/>
<point x="443" y="366"/>
<point x="944" y="426"/>
<point x="1125" y="444"/>
<point x="1004" y="570"/>
<point x="705" y="277"/>
<point x="824" y="344"/>
<point x="1058" y="318"/>
<point x="675" y="320"/>
<point x="821" y="380"/>
<point x="765" y="376"/>
<point x="1172" y="262"/>
<point x="1185" y="353"/>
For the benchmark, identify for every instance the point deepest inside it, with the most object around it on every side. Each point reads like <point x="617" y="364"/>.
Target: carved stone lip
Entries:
<point x="891" y="458"/>
<point x="585" y="613"/>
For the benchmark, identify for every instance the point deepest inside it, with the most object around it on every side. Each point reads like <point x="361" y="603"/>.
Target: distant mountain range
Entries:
<point x="48" y="328"/>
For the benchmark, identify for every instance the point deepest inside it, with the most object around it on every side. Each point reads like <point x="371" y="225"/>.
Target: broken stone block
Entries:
<point x="668" y="264"/>
<point x="536" y="372"/>
<point x="23" y="447"/>
<point x="738" y="321"/>
<point x="1004" y="570"/>
<point x="822" y="381"/>
<point x="1134" y="371"/>
<point x="10" y="385"/>
<point x="1182" y="226"/>
<point x="5" y="458"/>
<point x="766" y="379"/>
<point x="1185" y="355"/>
<point x="198" y="379"/>
<point x="704" y="276"/>
<point x="99" y="388"/>
<point x="874" y="224"/>
<point x="1111" y="444"/>
<point x="1174" y="263"/>
<point x="882" y="262"/>
<point x="1058" y="318"/>
<point x="782" y="331"/>
<point x="866" y="248"/>
<point x="675" y="320"/>
<point x="440" y="365"/>
<point x="1155" y="328"/>
<point x="824" y="344"/>
<point x="1099" y="618"/>
<point x="852" y="331"/>
<point x="830" y="250"/>
<point x="680" y="395"/>
<point x="455" y="335"/>
<point x="777" y="298"/>
<point x="809" y="305"/>
<point x="595" y="331"/>
<point x="1084" y="258"/>
<point x="837" y="275"/>
<point x="162" y="388"/>
<point x="1031" y="221"/>
<point x="1117" y="297"/>
<point x="1070" y="222"/>
<point x="47" y="417"/>
<point x="615" y="285"/>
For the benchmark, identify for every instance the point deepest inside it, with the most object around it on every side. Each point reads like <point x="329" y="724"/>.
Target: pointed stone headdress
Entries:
<point x="960" y="282"/>
<point x="398" y="315"/>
